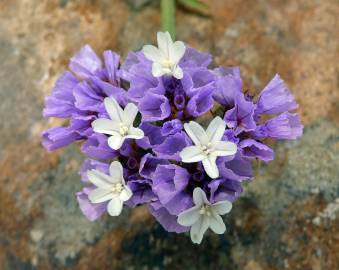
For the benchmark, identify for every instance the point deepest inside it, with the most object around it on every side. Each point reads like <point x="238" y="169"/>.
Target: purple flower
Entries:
<point x="240" y="118"/>
<point x="171" y="127"/>
<point x="90" y="164"/>
<point x="169" y="183"/>
<point x="80" y="97"/>
<point x="193" y="58"/>
<point x="152" y="136"/>
<point x="90" y="210"/>
<point x="61" y="102"/>
<point x="85" y="63"/>
<point x="228" y="85"/>
<point x="196" y="80"/>
<point x="168" y="221"/>
<point x="285" y="126"/>
<point x="253" y="149"/>
<point x="96" y="146"/>
<point x="275" y="98"/>
<point x="201" y="102"/>
<point x="172" y="146"/>
<point x="148" y="165"/>
<point x="58" y="137"/>
<point x="142" y="191"/>
<point x="154" y="107"/>
<point x="224" y="189"/>
<point x="137" y="70"/>
<point x="238" y="168"/>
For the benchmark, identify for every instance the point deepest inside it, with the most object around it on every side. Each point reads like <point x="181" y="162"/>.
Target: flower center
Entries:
<point x="207" y="149"/>
<point x="123" y="129"/>
<point x="205" y="210"/>
<point x="117" y="188"/>
<point x="167" y="63"/>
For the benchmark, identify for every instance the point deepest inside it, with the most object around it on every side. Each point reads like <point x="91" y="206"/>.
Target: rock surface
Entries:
<point x="288" y="217"/>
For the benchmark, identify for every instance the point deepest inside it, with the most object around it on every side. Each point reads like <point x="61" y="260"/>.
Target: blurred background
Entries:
<point x="287" y="218"/>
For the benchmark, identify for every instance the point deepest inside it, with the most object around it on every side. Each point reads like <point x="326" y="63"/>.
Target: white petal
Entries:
<point x="222" y="207"/>
<point x="116" y="171"/>
<point x="105" y="126"/>
<point x="199" y="197"/>
<point x="126" y="194"/>
<point x="164" y="41"/>
<point x="135" y="133"/>
<point x="177" y="51"/>
<point x="177" y="73"/>
<point x="189" y="216"/>
<point x="114" y="207"/>
<point x="113" y="109"/>
<point x="216" y="223"/>
<point x="99" y="179"/>
<point x="192" y="154"/>
<point x="198" y="229"/>
<point x="152" y="53"/>
<point x="222" y="149"/>
<point x="115" y="141"/>
<point x="210" y="166"/>
<point x="130" y="112"/>
<point x="196" y="133"/>
<point x="216" y="129"/>
<point x="157" y="70"/>
<point x="100" y="195"/>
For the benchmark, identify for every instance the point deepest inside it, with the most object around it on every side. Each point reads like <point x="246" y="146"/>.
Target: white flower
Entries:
<point x="165" y="58"/>
<point x="208" y="145"/>
<point x="110" y="188"/>
<point x="204" y="215"/>
<point x="121" y="124"/>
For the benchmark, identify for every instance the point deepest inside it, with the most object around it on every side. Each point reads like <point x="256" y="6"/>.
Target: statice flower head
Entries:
<point x="165" y="130"/>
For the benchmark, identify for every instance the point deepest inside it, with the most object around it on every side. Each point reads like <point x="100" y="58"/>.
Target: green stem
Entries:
<point x="168" y="16"/>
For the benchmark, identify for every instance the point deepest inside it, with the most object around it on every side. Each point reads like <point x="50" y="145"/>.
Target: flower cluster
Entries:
<point x="165" y="130"/>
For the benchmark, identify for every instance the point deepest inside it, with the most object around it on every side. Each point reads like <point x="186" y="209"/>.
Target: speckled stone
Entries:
<point x="288" y="217"/>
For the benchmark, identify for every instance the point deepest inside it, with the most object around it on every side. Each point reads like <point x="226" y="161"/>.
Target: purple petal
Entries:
<point x="193" y="58"/>
<point x="85" y="63"/>
<point x="142" y="192"/>
<point x="275" y="98"/>
<point x="228" y="84"/>
<point x="111" y="60"/>
<point x="90" y="164"/>
<point x="224" y="189"/>
<point x="254" y="149"/>
<point x="285" y="126"/>
<point x="90" y="210"/>
<point x="87" y="99"/>
<point x="58" y="137"/>
<point x="154" y="107"/>
<point x="61" y="102"/>
<point x="172" y="146"/>
<point x="168" y="221"/>
<point x="152" y="136"/>
<point x="96" y="146"/>
<point x="171" y="127"/>
<point x="238" y="169"/>
<point x="240" y="118"/>
<point x="201" y="102"/>
<point x="148" y="165"/>
<point x="169" y="183"/>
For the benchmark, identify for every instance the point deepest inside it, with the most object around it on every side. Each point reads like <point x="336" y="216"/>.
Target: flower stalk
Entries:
<point x="168" y="17"/>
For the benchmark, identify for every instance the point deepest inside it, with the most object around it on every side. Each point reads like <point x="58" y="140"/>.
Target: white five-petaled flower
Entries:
<point x="166" y="57"/>
<point x="204" y="215"/>
<point x="110" y="188"/>
<point x="120" y="126"/>
<point x="208" y="145"/>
